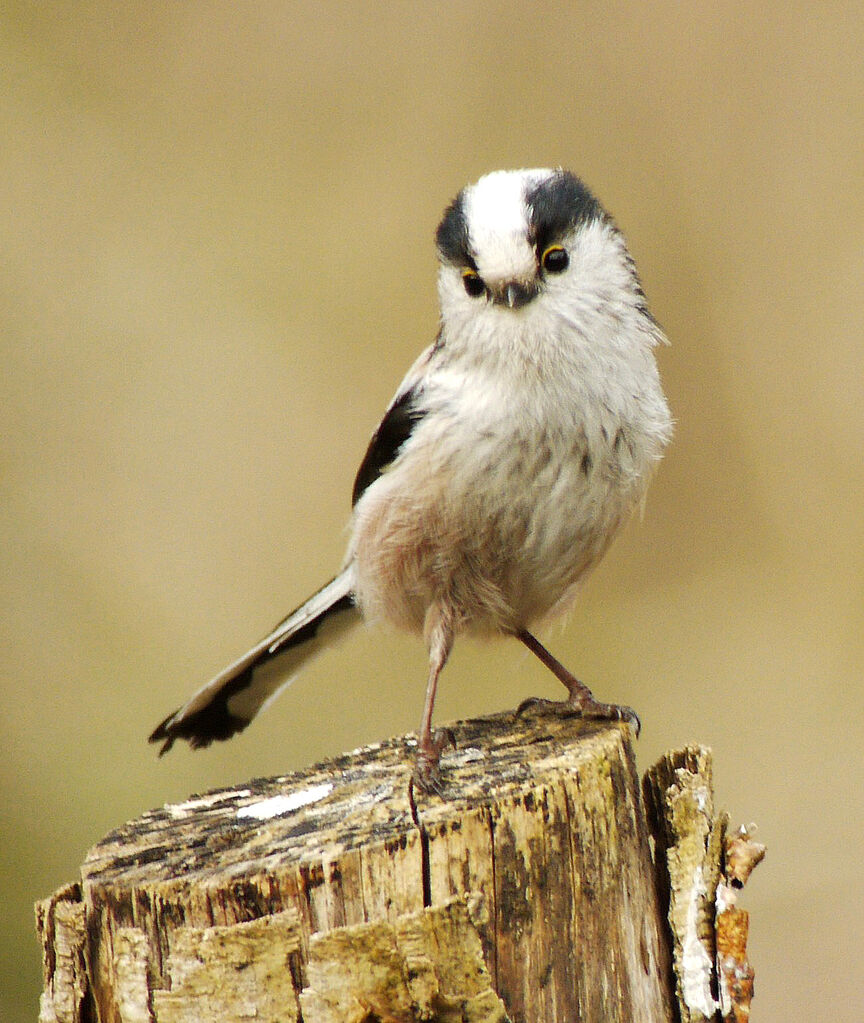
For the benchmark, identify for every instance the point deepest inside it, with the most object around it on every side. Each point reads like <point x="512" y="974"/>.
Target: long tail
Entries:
<point x="231" y="700"/>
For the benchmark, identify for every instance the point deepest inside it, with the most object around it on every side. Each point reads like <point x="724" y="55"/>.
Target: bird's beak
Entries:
<point x="515" y="294"/>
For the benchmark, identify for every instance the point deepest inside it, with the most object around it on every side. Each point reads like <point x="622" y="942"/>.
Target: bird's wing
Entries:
<point x="399" y="422"/>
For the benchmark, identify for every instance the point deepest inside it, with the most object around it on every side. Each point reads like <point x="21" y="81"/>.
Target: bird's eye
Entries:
<point x="555" y="259"/>
<point x="473" y="283"/>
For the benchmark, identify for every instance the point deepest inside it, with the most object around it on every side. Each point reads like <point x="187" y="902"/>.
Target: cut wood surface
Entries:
<point x="527" y="893"/>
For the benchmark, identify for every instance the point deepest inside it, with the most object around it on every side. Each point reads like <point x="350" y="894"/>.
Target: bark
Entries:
<point x="527" y="893"/>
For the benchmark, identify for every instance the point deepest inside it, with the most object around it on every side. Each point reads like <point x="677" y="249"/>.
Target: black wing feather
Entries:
<point x="395" y="428"/>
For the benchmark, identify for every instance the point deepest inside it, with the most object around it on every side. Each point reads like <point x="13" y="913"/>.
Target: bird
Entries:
<point x="512" y="453"/>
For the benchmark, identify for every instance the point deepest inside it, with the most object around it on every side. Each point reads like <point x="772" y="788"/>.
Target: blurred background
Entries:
<point x="217" y="261"/>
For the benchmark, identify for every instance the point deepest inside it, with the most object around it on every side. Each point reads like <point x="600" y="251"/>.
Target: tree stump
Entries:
<point x="528" y="893"/>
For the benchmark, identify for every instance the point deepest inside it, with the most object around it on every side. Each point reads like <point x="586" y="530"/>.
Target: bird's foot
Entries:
<point x="582" y="707"/>
<point x="426" y="776"/>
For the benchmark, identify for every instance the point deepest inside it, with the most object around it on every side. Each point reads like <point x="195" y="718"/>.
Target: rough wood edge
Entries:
<point x="700" y="870"/>
<point x="61" y="924"/>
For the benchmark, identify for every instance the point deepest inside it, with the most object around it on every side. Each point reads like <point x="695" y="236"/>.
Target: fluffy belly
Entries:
<point x="497" y="544"/>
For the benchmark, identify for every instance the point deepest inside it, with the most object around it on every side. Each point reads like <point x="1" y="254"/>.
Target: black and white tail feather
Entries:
<point x="229" y="702"/>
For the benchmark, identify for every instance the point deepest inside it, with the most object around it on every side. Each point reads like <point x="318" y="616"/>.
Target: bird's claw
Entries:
<point x="591" y="710"/>
<point x="426" y="776"/>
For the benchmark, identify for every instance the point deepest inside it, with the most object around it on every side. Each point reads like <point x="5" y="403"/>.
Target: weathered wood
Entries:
<point x="700" y="869"/>
<point x="528" y="894"/>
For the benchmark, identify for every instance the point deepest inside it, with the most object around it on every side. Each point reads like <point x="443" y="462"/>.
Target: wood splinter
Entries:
<point x="701" y="869"/>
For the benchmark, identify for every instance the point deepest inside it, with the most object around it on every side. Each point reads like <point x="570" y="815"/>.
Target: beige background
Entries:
<point x="216" y="262"/>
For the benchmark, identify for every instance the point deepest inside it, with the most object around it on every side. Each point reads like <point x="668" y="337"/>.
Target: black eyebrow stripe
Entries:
<point x="454" y="244"/>
<point x="557" y="205"/>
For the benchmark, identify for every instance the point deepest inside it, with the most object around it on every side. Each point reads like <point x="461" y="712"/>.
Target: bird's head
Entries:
<point x="528" y="243"/>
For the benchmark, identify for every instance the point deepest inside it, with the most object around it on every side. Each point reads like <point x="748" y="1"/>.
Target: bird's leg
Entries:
<point x="439" y="638"/>
<point x="581" y="700"/>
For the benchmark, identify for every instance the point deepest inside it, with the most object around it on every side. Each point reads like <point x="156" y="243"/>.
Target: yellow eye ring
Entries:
<point x="473" y="282"/>
<point x="555" y="259"/>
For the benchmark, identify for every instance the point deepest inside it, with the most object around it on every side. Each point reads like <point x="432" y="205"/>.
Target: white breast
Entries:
<point x="509" y="490"/>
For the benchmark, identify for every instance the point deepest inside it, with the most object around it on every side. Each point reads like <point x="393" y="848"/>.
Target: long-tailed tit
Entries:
<point x="513" y="451"/>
